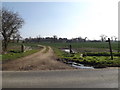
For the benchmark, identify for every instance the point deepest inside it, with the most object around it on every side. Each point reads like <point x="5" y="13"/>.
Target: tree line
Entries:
<point x="54" y="39"/>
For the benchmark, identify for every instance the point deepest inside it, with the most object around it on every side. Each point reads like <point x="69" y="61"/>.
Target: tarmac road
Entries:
<point x="82" y="78"/>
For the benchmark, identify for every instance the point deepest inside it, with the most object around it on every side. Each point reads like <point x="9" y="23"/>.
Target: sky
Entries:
<point x="86" y="18"/>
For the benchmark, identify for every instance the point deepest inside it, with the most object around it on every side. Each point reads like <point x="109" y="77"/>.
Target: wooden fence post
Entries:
<point x="118" y="46"/>
<point x="110" y="48"/>
<point x="22" y="47"/>
<point x="70" y="49"/>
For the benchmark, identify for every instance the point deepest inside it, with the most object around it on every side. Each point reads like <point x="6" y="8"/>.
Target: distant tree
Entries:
<point x="11" y="22"/>
<point x="54" y="38"/>
<point x="13" y="37"/>
<point x="103" y="37"/>
<point x="85" y="39"/>
<point x="80" y="39"/>
<point x="18" y="37"/>
<point x="113" y="38"/>
<point x="38" y="38"/>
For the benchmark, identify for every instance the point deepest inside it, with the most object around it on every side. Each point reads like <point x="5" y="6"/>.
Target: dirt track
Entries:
<point x="38" y="61"/>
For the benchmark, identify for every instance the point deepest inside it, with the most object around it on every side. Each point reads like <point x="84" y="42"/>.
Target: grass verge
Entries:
<point x="12" y="56"/>
<point x="14" y="51"/>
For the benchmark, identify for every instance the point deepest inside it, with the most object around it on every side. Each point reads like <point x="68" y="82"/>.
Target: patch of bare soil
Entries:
<point x="36" y="61"/>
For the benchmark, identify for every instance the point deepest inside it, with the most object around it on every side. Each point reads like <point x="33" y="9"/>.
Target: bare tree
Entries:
<point x="13" y="37"/>
<point x="54" y="38"/>
<point x="11" y="22"/>
<point x="38" y="38"/>
<point x="114" y="38"/>
<point x="103" y="37"/>
<point x="80" y="38"/>
<point x="18" y="37"/>
<point x="85" y="39"/>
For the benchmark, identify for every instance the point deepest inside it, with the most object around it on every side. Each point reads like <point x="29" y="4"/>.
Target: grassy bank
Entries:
<point x="14" y="51"/>
<point x="95" y="61"/>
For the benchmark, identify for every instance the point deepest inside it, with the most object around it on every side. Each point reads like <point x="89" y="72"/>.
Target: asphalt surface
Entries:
<point x="82" y="78"/>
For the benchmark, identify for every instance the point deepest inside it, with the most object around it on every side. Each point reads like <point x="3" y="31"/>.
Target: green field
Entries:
<point x="103" y="45"/>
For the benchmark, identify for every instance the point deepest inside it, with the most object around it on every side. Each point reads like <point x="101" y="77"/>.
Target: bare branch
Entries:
<point x="11" y="23"/>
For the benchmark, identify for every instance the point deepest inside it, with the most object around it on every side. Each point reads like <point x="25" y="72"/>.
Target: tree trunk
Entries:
<point x="22" y="48"/>
<point x="4" y="46"/>
<point x="17" y="40"/>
